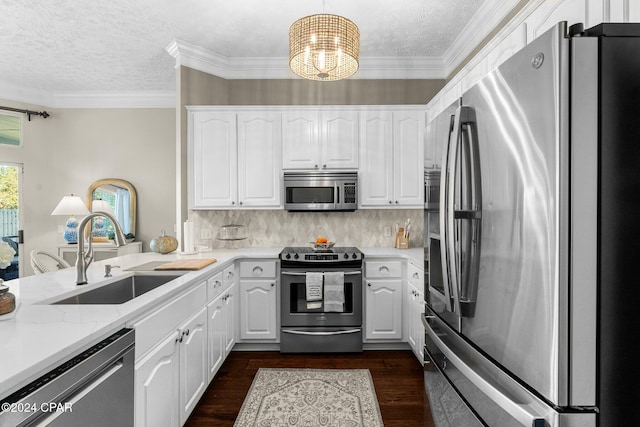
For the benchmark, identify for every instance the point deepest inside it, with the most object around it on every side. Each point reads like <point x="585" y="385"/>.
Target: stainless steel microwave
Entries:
<point x="320" y="191"/>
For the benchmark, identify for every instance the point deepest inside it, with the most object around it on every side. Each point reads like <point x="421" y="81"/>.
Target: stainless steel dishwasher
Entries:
<point x="94" y="388"/>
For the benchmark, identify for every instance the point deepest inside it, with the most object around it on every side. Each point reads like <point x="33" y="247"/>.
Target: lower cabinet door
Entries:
<point x="383" y="314"/>
<point x="230" y="304"/>
<point x="258" y="310"/>
<point x="217" y="329"/>
<point x="157" y="386"/>
<point x="194" y="372"/>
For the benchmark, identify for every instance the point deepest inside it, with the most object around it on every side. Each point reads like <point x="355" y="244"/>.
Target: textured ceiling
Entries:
<point x="61" y="46"/>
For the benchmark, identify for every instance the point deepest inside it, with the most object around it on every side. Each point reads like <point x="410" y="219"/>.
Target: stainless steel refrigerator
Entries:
<point x="532" y="304"/>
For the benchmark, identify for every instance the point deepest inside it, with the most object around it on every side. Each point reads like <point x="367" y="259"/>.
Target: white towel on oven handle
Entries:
<point x="314" y="285"/>
<point x="334" y="291"/>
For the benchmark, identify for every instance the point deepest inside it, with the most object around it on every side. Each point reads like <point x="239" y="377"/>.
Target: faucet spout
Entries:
<point x="85" y="258"/>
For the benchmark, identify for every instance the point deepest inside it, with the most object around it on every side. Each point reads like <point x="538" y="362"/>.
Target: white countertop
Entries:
<point x="37" y="337"/>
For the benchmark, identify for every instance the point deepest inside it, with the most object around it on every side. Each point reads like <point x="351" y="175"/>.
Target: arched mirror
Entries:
<point x="118" y="197"/>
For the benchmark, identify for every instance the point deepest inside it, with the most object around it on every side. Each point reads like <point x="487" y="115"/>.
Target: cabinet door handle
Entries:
<point x="396" y="202"/>
<point x="416" y="275"/>
<point x="324" y="166"/>
<point x="240" y="203"/>
<point x="369" y="284"/>
<point x="390" y="202"/>
<point x="273" y="284"/>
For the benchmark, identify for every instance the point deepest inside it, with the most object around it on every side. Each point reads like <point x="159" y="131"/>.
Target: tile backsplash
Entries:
<point x="268" y="228"/>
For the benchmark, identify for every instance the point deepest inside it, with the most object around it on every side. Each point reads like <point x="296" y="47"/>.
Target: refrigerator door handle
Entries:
<point x="447" y="179"/>
<point x="520" y="412"/>
<point x="471" y="214"/>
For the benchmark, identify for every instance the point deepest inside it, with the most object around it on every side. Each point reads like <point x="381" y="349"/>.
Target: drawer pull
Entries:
<point x="257" y="271"/>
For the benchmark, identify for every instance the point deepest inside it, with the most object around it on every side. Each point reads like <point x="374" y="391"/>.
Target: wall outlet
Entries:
<point x="387" y="231"/>
<point x="205" y="233"/>
<point x="60" y="229"/>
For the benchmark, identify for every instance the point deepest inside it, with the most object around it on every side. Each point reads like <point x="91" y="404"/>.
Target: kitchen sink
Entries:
<point x="120" y="291"/>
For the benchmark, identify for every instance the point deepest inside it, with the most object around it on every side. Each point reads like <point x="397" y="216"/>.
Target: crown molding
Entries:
<point x="483" y="22"/>
<point x="201" y="59"/>
<point x="163" y="99"/>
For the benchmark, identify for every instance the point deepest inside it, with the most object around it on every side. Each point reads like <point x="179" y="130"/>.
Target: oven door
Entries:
<point x="295" y="311"/>
<point x="311" y="195"/>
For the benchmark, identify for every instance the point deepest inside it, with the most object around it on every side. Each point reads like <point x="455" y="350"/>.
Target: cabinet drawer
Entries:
<point x="214" y="286"/>
<point x="257" y="269"/>
<point x="160" y="322"/>
<point x="375" y="269"/>
<point x="415" y="275"/>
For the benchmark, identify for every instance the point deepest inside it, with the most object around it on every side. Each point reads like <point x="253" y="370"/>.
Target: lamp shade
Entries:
<point x="71" y="205"/>
<point x="324" y="47"/>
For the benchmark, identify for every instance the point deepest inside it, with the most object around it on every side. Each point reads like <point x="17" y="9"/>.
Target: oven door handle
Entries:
<point x="293" y="273"/>
<point x="321" y="333"/>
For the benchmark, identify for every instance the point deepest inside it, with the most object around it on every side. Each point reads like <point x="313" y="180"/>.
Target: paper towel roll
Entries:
<point x="189" y="244"/>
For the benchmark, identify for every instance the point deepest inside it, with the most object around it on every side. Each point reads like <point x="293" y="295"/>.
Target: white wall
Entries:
<point x="72" y="148"/>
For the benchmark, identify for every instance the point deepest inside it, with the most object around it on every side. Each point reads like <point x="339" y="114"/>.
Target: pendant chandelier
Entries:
<point x="324" y="47"/>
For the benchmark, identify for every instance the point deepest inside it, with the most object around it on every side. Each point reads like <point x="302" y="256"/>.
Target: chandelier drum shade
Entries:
<point x="324" y="47"/>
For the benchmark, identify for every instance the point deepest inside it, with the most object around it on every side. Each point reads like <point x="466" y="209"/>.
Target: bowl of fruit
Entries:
<point x="322" y="243"/>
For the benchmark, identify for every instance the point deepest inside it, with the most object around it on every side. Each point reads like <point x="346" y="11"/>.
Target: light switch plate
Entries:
<point x="387" y="231"/>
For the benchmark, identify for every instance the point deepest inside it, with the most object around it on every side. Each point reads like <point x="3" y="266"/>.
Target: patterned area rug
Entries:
<point x="311" y="398"/>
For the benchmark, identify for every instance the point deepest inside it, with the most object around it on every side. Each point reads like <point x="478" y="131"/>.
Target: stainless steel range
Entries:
<point x="321" y="300"/>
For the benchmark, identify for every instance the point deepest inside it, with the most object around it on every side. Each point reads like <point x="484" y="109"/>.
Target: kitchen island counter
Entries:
<point x="39" y="336"/>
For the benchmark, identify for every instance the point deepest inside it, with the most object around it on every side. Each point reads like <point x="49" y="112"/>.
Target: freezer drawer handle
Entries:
<point x="517" y="411"/>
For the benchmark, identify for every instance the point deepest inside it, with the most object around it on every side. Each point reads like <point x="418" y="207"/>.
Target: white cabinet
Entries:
<point x="414" y="308"/>
<point x="376" y="158"/>
<point x="234" y="159"/>
<point x="157" y="386"/>
<point x="212" y="158"/>
<point x="221" y="323"/>
<point x="171" y="371"/>
<point x="259" y="159"/>
<point x="314" y="139"/>
<point x="391" y="170"/>
<point x="258" y="301"/>
<point x="194" y="377"/>
<point x="383" y="300"/>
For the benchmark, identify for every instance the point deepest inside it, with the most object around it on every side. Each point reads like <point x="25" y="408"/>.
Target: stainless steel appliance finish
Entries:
<point x="431" y="189"/>
<point x="321" y="191"/>
<point x="120" y="291"/>
<point x="314" y="329"/>
<point x="95" y="388"/>
<point x="533" y="298"/>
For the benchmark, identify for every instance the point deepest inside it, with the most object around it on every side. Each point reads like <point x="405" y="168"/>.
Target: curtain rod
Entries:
<point x="29" y="113"/>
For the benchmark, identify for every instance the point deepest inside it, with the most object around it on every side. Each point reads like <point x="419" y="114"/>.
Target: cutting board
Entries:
<point x="186" y="264"/>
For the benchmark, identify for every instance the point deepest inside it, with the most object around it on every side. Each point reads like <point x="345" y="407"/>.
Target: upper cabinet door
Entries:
<point x="339" y="140"/>
<point x="408" y="127"/>
<point x="300" y="140"/>
<point x="259" y="159"/>
<point x="376" y="158"/>
<point x="213" y="159"/>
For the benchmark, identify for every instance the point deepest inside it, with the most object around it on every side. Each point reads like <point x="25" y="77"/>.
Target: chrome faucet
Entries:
<point x="84" y="259"/>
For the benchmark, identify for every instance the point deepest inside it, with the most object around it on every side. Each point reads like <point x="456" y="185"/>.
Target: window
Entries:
<point x="10" y="129"/>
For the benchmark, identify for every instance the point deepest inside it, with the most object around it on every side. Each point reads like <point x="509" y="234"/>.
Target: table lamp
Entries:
<point x="71" y="205"/>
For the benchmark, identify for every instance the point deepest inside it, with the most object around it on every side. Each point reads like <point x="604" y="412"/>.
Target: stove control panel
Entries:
<point x="335" y="255"/>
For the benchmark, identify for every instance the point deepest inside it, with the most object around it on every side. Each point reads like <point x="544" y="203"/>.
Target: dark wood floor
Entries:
<point x="397" y="376"/>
